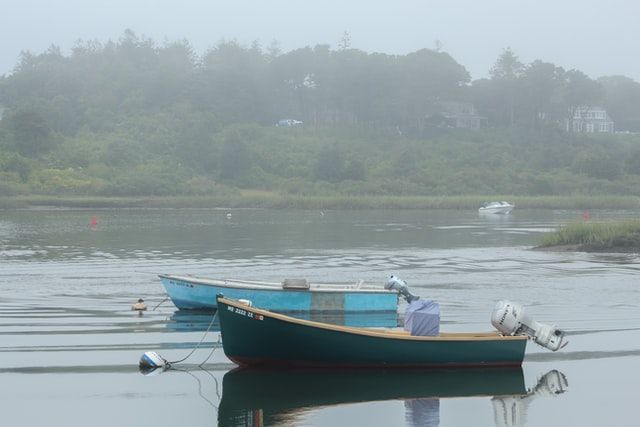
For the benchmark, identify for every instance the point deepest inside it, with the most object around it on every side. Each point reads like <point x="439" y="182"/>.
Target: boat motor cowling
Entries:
<point x="400" y="286"/>
<point x="512" y="319"/>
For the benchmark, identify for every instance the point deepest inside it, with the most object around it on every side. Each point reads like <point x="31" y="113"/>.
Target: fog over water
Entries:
<point x="594" y="37"/>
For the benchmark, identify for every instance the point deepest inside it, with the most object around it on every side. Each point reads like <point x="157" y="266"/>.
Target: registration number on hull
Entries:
<point x="245" y="313"/>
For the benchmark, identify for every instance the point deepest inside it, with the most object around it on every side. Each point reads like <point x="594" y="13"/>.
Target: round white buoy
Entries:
<point x="152" y="360"/>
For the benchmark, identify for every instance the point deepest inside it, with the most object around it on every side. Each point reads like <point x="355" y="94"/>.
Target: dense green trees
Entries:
<point x="542" y="94"/>
<point x="136" y="118"/>
<point x="28" y="133"/>
<point x="622" y="100"/>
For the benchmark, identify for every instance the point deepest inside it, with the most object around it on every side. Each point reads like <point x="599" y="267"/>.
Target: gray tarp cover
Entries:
<point x="422" y="318"/>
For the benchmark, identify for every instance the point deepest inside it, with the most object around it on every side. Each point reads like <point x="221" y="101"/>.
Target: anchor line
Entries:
<point x="201" y="341"/>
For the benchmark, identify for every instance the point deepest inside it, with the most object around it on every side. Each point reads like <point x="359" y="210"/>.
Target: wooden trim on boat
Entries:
<point x="380" y="333"/>
<point x="272" y="286"/>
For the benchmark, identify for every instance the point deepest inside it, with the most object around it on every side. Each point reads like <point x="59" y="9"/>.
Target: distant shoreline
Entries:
<point x="271" y="200"/>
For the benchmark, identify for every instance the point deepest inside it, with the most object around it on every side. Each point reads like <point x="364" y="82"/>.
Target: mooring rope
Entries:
<point x="160" y="303"/>
<point x="201" y="341"/>
<point x="212" y="350"/>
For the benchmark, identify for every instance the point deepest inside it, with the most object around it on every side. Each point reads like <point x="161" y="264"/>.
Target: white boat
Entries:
<point x="496" y="208"/>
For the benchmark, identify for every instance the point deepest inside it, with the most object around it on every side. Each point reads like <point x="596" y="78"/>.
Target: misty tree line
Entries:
<point x="540" y="93"/>
<point x="135" y="117"/>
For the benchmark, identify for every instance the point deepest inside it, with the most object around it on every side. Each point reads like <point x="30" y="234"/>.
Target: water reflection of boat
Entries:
<point x="249" y="396"/>
<point x="511" y="411"/>
<point x="200" y="320"/>
<point x="193" y="320"/>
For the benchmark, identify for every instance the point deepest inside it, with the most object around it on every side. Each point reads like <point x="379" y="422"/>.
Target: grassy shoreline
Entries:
<point x="614" y="236"/>
<point x="270" y="200"/>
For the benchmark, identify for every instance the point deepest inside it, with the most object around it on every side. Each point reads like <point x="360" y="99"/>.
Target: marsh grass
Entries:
<point x="596" y="236"/>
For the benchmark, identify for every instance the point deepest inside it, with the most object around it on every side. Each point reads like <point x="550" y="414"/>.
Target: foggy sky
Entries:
<point x="597" y="37"/>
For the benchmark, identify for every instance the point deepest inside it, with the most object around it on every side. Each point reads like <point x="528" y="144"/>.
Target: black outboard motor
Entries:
<point x="400" y="286"/>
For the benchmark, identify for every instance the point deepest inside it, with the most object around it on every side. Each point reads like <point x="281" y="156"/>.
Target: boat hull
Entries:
<point x="500" y="208"/>
<point x="254" y="337"/>
<point x="195" y="294"/>
<point x="499" y="211"/>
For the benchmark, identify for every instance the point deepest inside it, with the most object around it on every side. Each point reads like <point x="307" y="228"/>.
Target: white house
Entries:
<point x="590" y="120"/>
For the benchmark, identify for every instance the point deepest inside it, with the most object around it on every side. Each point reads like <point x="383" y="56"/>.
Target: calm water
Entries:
<point x="69" y="344"/>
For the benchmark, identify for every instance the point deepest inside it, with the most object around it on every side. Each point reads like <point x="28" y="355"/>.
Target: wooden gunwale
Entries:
<point x="248" y="284"/>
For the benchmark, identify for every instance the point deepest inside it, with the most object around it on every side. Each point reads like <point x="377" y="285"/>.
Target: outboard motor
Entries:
<point x="511" y="319"/>
<point x="400" y="286"/>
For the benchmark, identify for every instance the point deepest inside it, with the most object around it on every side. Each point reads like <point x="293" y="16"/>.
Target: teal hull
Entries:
<point x="254" y="337"/>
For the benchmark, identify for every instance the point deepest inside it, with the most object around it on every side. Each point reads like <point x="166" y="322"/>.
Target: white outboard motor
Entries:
<point x="400" y="286"/>
<point x="511" y="319"/>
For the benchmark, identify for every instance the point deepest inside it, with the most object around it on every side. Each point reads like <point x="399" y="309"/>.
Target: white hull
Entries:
<point x="502" y="208"/>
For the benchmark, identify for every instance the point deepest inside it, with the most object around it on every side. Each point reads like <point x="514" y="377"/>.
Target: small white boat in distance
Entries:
<point x="496" y="208"/>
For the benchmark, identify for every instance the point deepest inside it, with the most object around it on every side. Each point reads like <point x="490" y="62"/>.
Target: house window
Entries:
<point x="589" y="128"/>
<point x="604" y="127"/>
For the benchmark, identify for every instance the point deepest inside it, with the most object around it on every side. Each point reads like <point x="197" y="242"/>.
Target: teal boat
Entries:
<point x="257" y="337"/>
<point x="292" y="295"/>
